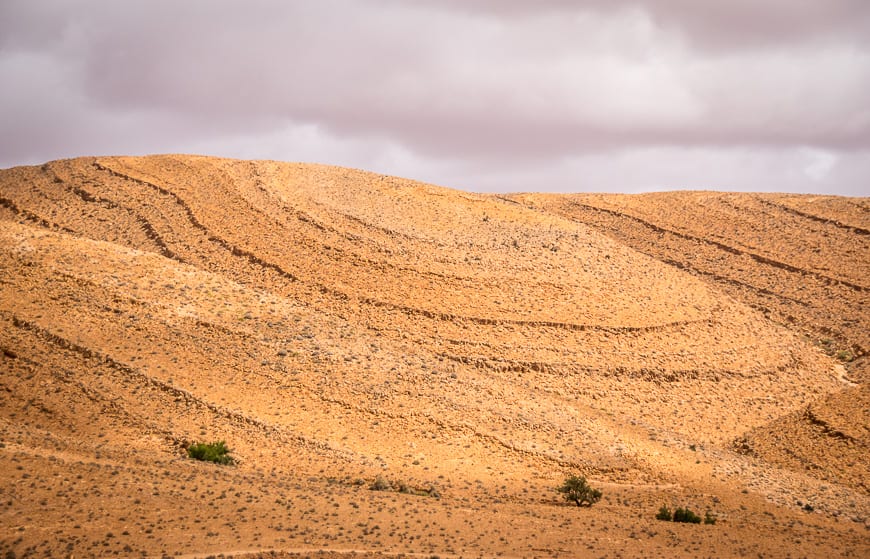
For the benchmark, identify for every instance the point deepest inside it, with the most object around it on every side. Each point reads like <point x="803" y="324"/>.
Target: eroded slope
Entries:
<point x="801" y="260"/>
<point x="334" y="325"/>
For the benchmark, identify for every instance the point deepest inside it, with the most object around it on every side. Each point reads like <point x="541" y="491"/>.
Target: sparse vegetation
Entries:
<point x="686" y="515"/>
<point x="665" y="514"/>
<point x="829" y="347"/>
<point x="382" y="484"/>
<point x="576" y="489"/>
<point x="845" y="356"/>
<point x="216" y="452"/>
<point x="683" y="515"/>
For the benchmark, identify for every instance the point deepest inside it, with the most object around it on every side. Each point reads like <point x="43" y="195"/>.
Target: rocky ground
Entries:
<point x="335" y="327"/>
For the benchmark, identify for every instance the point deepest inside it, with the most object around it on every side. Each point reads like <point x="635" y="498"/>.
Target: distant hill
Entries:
<point x="336" y="326"/>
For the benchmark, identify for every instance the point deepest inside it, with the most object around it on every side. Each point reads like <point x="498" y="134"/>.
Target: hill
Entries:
<point x="337" y="327"/>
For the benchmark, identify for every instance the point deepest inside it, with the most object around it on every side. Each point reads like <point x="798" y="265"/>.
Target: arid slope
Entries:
<point x="803" y="261"/>
<point x="334" y="326"/>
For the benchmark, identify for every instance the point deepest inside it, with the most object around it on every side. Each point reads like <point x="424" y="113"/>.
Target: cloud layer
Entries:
<point x="476" y="94"/>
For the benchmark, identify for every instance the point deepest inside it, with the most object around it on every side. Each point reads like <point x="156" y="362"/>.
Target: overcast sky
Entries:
<point x="482" y="95"/>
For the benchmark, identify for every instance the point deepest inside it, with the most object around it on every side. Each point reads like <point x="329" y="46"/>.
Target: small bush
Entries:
<point x="665" y="514"/>
<point x="381" y="484"/>
<point x="216" y="452"/>
<point x="845" y="355"/>
<point x="577" y="490"/>
<point x="685" y="515"/>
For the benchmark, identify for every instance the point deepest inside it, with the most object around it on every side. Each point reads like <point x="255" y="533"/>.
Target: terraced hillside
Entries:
<point x="336" y="327"/>
<point x="800" y="260"/>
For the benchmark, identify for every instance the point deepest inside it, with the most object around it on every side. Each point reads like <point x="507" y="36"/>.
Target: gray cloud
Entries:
<point x="733" y="24"/>
<point x="475" y="94"/>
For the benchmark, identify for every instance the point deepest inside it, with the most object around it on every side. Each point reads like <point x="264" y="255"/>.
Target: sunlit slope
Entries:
<point x="802" y="260"/>
<point x="467" y="280"/>
<point x="332" y="324"/>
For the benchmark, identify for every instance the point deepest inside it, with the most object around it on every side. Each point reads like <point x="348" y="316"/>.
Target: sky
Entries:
<point x="480" y="95"/>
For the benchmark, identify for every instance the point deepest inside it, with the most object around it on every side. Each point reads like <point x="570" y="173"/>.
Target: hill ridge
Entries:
<point x="334" y="325"/>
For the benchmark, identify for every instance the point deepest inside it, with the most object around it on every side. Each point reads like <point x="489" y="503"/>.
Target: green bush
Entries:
<point x="845" y="355"/>
<point x="665" y="514"/>
<point x="685" y="515"/>
<point x="216" y="452"/>
<point x="577" y="490"/>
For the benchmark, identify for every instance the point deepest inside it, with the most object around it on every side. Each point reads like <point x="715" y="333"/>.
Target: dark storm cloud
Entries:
<point x="474" y="93"/>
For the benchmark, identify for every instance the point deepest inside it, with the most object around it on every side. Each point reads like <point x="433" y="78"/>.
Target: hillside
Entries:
<point x="334" y="326"/>
<point x="800" y="260"/>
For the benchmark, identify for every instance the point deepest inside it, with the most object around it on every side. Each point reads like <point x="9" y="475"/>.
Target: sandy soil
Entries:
<point x="335" y="326"/>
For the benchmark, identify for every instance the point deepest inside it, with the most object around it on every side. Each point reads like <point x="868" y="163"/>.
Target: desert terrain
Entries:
<point x="339" y="328"/>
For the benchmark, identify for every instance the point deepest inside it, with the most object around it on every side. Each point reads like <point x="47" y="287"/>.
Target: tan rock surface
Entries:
<point x="334" y="326"/>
